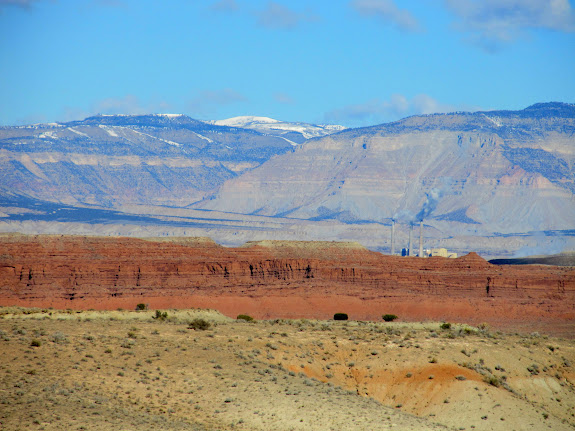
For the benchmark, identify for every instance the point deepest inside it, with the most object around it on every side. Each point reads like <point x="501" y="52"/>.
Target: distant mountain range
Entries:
<point x="160" y="159"/>
<point x="496" y="181"/>
<point x="499" y="171"/>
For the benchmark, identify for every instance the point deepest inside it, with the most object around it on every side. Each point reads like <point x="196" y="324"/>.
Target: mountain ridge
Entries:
<point x="284" y="128"/>
<point x="477" y="177"/>
<point x="493" y="177"/>
<point x="104" y="159"/>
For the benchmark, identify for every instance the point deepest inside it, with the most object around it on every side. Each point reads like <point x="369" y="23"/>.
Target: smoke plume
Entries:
<point x="431" y="201"/>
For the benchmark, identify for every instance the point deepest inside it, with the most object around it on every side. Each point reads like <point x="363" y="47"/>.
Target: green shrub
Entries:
<point x="245" y="317"/>
<point x="36" y="343"/>
<point x="492" y="380"/>
<point x="199" y="324"/>
<point x="59" y="337"/>
<point x="533" y="369"/>
<point x="340" y="316"/>
<point x="389" y="317"/>
<point x="445" y="325"/>
<point x="141" y="307"/>
<point x="160" y="315"/>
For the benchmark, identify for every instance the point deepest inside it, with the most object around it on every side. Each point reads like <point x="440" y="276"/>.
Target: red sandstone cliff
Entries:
<point x="276" y="279"/>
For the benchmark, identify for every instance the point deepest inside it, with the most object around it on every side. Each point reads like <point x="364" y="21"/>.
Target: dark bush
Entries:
<point x="36" y="343"/>
<point x="199" y="324"/>
<point x="389" y="317"/>
<point x="492" y="380"/>
<point x="340" y="316"/>
<point x="445" y="325"/>
<point x="160" y="315"/>
<point x="245" y="317"/>
<point x="141" y="307"/>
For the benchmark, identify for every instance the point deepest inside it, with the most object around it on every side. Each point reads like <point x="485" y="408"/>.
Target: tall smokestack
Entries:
<point x="409" y="249"/>
<point x="392" y="237"/>
<point x="421" y="238"/>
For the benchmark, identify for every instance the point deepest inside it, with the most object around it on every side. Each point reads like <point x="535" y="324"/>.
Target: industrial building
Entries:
<point x="408" y="251"/>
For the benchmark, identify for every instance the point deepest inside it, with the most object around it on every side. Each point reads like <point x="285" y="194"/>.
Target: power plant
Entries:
<point x="431" y="201"/>
<point x="408" y="251"/>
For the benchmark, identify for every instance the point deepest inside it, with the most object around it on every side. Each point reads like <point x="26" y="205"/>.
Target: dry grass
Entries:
<point x="125" y="370"/>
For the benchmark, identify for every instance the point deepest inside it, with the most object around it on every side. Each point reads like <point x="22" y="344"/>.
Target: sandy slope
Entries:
<point x="127" y="370"/>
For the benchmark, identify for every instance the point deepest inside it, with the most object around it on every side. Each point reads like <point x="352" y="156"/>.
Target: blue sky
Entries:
<point x="355" y="63"/>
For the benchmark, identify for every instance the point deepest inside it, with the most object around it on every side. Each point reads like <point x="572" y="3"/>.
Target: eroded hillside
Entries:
<point x="150" y="370"/>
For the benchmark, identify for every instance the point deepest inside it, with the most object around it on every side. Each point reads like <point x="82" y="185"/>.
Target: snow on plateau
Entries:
<point x="267" y="125"/>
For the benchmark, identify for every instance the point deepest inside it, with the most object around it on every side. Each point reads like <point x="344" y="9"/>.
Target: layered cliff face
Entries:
<point x="277" y="279"/>
<point x="111" y="161"/>
<point x="488" y="172"/>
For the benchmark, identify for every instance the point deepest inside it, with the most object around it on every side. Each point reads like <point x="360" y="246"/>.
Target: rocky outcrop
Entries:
<point x="89" y="272"/>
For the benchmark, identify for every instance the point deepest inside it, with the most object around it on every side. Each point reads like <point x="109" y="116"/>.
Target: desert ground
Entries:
<point x="194" y="369"/>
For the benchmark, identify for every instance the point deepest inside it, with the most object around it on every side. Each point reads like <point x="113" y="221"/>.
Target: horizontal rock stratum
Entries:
<point x="282" y="279"/>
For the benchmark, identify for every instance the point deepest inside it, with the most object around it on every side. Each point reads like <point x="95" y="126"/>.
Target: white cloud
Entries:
<point x="110" y="3"/>
<point x="490" y="22"/>
<point x="424" y="104"/>
<point x="387" y="11"/>
<point x="125" y="105"/>
<point x="220" y="97"/>
<point x="278" y="16"/>
<point x="283" y="98"/>
<point x="377" y="111"/>
<point x="225" y="6"/>
<point x="18" y="3"/>
<point x="27" y="4"/>
<point x="207" y="102"/>
<point x="129" y="105"/>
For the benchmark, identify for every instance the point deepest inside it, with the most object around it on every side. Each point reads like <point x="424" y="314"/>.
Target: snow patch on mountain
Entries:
<point x="291" y="142"/>
<point x="169" y="115"/>
<point x="71" y="129"/>
<point x="203" y="137"/>
<point x="271" y="125"/>
<point x="494" y="120"/>
<point x="48" y="135"/>
<point x="176" y="144"/>
<point x="108" y="130"/>
<point x="245" y="121"/>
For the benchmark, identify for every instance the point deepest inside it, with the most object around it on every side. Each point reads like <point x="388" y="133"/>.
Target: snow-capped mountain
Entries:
<point x="295" y="132"/>
<point x="470" y="173"/>
<point x="492" y="181"/>
<point x="108" y="160"/>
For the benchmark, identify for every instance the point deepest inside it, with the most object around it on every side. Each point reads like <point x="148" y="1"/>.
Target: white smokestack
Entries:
<point x="410" y="239"/>
<point x="421" y="238"/>
<point x="392" y="237"/>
